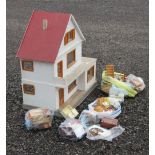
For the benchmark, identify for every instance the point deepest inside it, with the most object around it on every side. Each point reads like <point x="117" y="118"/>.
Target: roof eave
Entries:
<point x="78" y="28"/>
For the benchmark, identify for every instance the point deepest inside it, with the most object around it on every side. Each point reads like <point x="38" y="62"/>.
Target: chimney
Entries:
<point x="44" y="24"/>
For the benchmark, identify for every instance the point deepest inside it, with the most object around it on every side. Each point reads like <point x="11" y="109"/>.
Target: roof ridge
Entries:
<point x="45" y="11"/>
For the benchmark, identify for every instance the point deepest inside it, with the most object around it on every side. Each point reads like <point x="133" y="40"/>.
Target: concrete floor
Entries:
<point x="116" y="32"/>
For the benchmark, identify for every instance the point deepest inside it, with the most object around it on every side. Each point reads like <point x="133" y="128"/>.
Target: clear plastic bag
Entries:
<point x="71" y="129"/>
<point x="40" y="118"/>
<point x="108" y="114"/>
<point x="96" y="132"/>
<point x="115" y="132"/>
<point x="117" y="93"/>
<point x="88" y="118"/>
<point x="136" y="82"/>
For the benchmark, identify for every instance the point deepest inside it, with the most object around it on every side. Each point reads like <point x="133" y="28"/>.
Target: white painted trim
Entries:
<point x="46" y="83"/>
<point x="78" y="28"/>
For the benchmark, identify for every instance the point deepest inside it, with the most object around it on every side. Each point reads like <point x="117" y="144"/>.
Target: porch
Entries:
<point x="78" y="97"/>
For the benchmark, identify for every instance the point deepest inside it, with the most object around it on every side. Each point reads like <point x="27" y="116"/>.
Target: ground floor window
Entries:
<point x="28" y="89"/>
<point x="90" y="74"/>
<point x="71" y="86"/>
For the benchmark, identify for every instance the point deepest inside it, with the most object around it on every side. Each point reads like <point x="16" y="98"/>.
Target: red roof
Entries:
<point x="43" y="45"/>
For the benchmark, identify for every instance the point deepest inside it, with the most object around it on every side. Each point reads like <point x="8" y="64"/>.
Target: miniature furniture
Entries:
<point x="54" y="73"/>
<point x="110" y="70"/>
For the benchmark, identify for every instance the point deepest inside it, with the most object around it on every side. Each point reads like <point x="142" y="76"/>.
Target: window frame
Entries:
<point x="68" y="39"/>
<point x="28" y="92"/>
<point x="72" y="86"/>
<point x="90" y="71"/>
<point x="60" y="70"/>
<point x="71" y="35"/>
<point x="73" y="58"/>
<point x="26" y="69"/>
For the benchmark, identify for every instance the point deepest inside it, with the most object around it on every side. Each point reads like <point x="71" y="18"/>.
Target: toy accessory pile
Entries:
<point x="99" y="120"/>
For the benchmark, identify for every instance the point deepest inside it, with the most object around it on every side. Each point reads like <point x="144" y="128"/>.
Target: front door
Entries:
<point x="60" y="69"/>
<point x="61" y="96"/>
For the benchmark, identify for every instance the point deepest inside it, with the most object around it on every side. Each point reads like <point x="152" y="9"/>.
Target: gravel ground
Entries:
<point x="116" y="32"/>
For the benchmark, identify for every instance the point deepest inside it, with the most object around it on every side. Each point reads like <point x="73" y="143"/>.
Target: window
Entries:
<point x="71" y="86"/>
<point x="27" y="65"/>
<point x="60" y="69"/>
<point x="90" y="74"/>
<point x="70" y="59"/>
<point x="28" y="89"/>
<point x="69" y="36"/>
<point x="44" y="24"/>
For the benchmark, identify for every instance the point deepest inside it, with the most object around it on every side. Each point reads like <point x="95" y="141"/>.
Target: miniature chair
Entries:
<point x="110" y="70"/>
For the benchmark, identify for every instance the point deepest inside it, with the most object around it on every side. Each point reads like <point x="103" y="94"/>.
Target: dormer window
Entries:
<point x="27" y="65"/>
<point x="44" y="24"/>
<point x="69" y="36"/>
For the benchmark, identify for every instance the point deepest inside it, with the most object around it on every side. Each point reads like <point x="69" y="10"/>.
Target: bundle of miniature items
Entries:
<point x="117" y="84"/>
<point x="96" y="132"/>
<point x="105" y="107"/>
<point x="71" y="129"/>
<point x="40" y="118"/>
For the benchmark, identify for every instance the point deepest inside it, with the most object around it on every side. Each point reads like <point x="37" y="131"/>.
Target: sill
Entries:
<point x="30" y="70"/>
<point x="29" y="93"/>
<point x="69" y="41"/>
<point x="71" y="64"/>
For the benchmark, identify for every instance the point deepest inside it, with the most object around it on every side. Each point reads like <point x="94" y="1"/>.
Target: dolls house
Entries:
<point x="53" y="71"/>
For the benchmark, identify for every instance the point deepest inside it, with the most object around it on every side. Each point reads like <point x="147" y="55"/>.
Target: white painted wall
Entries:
<point x="43" y="71"/>
<point x="63" y="57"/>
<point x="68" y="95"/>
<point x="45" y="96"/>
<point x="65" y="49"/>
<point x="81" y="82"/>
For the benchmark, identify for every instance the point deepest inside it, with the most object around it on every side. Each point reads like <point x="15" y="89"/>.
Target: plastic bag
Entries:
<point x="40" y="118"/>
<point x="131" y="92"/>
<point x="96" y="132"/>
<point x="115" y="132"/>
<point x="109" y="114"/>
<point x="71" y="129"/>
<point x="136" y="82"/>
<point x="118" y="93"/>
<point x="88" y="118"/>
<point x="105" y="86"/>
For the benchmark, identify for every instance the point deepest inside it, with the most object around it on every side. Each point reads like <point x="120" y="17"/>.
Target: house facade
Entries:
<point x="52" y="67"/>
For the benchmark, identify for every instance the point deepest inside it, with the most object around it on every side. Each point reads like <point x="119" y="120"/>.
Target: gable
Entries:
<point x="72" y="24"/>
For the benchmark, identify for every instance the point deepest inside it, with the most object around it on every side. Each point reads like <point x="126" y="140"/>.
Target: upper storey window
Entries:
<point x="71" y="58"/>
<point x="27" y="65"/>
<point x="69" y="36"/>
